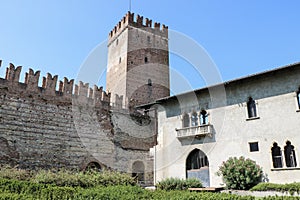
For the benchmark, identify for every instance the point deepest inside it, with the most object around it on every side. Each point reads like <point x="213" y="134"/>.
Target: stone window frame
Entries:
<point x="251" y="146"/>
<point x="291" y="158"/>
<point x="276" y="155"/>
<point x="248" y="117"/>
<point x="284" y="166"/>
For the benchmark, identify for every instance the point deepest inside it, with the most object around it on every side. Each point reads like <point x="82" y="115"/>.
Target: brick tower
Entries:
<point x="138" y="61"/>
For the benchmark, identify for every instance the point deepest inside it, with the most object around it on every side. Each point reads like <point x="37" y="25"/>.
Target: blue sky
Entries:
<point x="242" y="37"/>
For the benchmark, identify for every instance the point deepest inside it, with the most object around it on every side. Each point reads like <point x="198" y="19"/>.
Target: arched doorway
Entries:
<point x="138" y="171"/>
<point x="197" y="166"/>
<point x="93" y="166"/>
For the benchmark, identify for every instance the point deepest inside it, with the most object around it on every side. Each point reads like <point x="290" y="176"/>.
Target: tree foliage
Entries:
<point x="240" y="173"/>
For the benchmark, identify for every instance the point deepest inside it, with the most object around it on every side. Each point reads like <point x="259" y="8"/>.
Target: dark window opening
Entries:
<point x="203" y="117"/>
<point x="194" y="119"/>
<point x="119" y="60"/>
<point x="149" y="90"/>
<point x="298" y="98"/>
<point x="146" y="59"/>
<point x="196" y="160"/>
<point x="148" y="39"/>
<point x="186" y="120"/>
<point x="138" y="171"/>
<point x="117" y="42"/>
<point x="251" y="107"/>
<point x="276" y="156"/>
<point x="253" y="146"/>
<point x="149" y="82"/>
<point x="93" y="166"/>
<point x="289" y="155"/>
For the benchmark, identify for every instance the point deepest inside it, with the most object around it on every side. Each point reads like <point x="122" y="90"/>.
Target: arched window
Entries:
<point x="203" y="117"/>
<point x="186" y="120"/>
<point x="276" y="156"/>
<point x="194" y="119"/>
<point x="289" y="155"/>
<point x="251" y="108"/>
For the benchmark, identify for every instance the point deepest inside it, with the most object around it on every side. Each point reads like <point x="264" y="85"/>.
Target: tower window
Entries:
<point x="146" y="59"/>
<point x="117" y="42"/>
<point x="253" y="146"/>
<point x="289" y="155"/>
<point x="120" y="60"/>
<point x="251" y="108"/>
<point x="203" y="117"/>
<point x="148" y="39"/>
<point x="149" y="82"/>
<point x="276" y="156"/>
<point x="186" y="120"/>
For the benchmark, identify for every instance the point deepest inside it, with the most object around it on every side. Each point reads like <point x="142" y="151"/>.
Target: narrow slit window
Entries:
<point x="251" y="108"/>
<point x="298" y="98"/>
<point x="146" y="59"/>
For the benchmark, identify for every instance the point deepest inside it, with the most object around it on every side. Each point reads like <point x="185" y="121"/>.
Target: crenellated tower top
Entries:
<point x="138" y="22"/>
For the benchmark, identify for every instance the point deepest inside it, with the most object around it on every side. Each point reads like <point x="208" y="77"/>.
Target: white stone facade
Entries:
<point x="229" y="130"/>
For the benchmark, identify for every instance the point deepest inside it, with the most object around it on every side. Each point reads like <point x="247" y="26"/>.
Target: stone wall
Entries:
<point x="138" y="61"/>
<point x="44" y="128"/>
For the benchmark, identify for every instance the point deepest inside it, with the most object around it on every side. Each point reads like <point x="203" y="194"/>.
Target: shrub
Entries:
<point x="178" y="184"/>
<point x="68" y="178"/>
<point x="88" y="179"/>
<point x="240" y="173"/>
<point x="14" y="173"/>
<point x="288" y="187"/>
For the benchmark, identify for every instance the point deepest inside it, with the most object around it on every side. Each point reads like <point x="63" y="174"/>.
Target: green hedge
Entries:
<point x="289" y="187"/>
<point x="68" y="178"/>
<point x="178" y="184"/>
<point x="13" y="189"/>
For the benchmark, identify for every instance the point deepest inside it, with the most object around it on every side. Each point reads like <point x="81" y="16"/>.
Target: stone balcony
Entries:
<point x="194" y="131"/>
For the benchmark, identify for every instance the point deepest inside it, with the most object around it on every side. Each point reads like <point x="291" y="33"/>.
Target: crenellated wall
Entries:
<point x="41" y="127"/>
<point x="66" y="90"/>
<point x="139" y="22"/>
